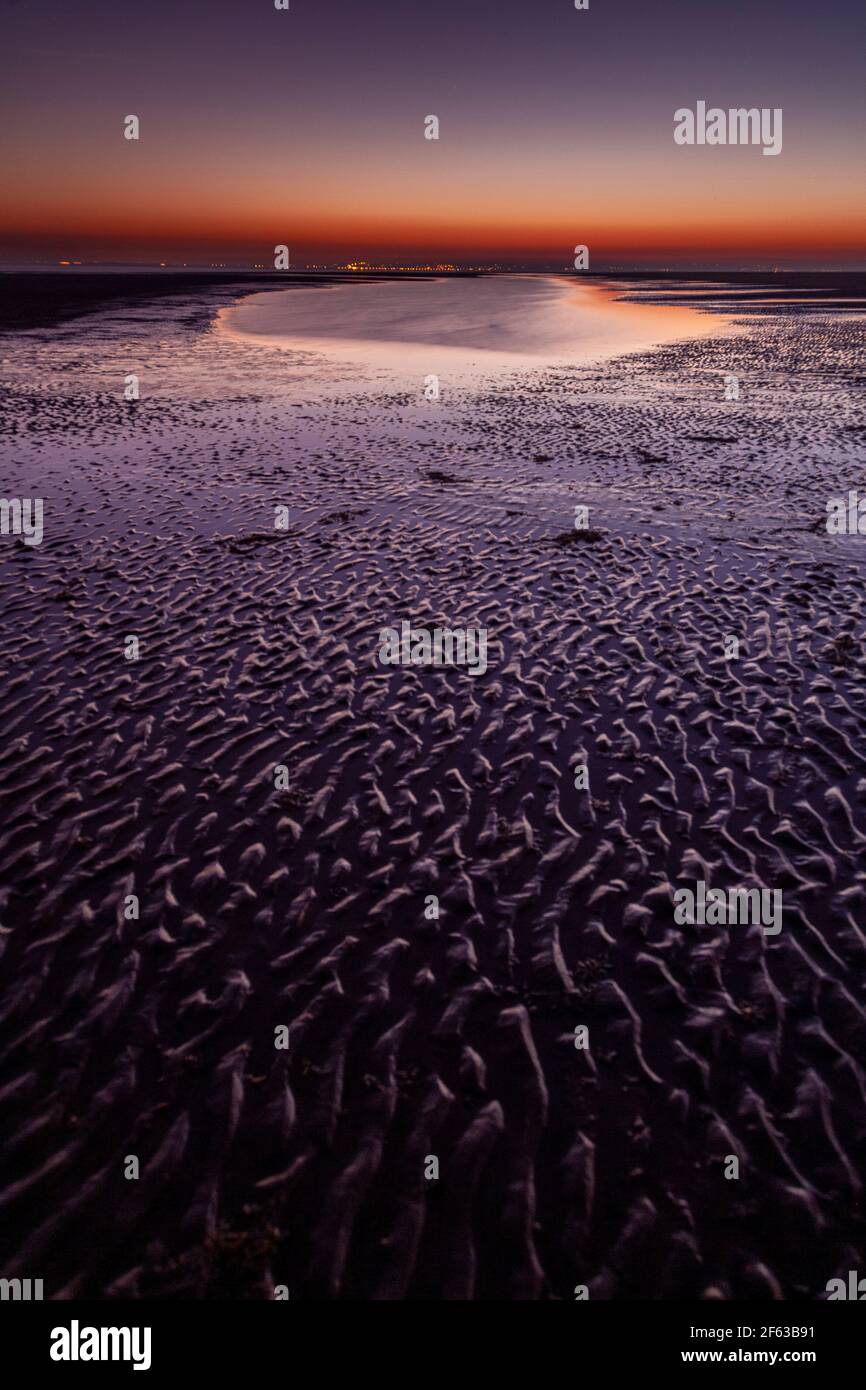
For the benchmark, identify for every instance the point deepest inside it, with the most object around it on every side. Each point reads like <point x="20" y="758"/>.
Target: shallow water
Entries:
<point x="489" y="324"/>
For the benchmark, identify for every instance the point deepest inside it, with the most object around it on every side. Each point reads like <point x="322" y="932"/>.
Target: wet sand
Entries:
<point x="305" y="907"/>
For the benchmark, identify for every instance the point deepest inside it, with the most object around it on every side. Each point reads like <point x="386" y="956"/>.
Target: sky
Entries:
<point x="305" y="127"/>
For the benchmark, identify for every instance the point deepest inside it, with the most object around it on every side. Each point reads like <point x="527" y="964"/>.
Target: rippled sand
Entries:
<point x="304" y="907"/>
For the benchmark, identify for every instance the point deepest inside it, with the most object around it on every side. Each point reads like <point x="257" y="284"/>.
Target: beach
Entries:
<point x="302" y="906"/>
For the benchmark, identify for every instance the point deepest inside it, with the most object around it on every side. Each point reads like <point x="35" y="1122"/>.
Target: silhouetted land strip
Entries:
<point x="41" y="299"/>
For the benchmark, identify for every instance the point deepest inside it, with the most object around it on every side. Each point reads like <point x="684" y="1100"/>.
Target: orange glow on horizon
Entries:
<point x="630" y="219"/>
<point x="369" y="238"/>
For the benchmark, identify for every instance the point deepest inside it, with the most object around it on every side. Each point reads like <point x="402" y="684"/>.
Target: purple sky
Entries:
<point x="307" y="127"/>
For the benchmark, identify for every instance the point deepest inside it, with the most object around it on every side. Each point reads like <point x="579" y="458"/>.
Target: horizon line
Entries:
<point x="361" y="266"/>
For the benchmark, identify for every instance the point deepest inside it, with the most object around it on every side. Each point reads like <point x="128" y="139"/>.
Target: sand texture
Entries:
<point x="304" y="907"/>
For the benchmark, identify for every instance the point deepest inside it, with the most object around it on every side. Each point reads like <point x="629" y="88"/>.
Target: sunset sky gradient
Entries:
<point x="306" y="127"/>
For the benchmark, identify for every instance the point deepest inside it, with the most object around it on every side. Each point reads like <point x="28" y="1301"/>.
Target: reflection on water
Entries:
<point x="488" y="323"/>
